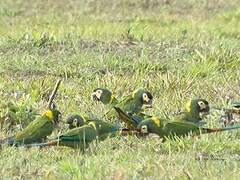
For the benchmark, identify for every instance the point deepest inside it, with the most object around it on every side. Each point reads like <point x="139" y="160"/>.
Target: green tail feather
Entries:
<point x="208" y="130"/>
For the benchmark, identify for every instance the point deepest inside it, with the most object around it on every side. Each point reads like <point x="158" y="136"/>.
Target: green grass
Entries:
<point x="177" y="49"/>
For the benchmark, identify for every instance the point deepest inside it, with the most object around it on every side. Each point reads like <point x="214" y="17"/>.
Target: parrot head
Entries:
<point x="53" y="115"/>
<point x="150" y="125"/>
<point x="144" y="96"/>
<point x="198" y="106"/>
<point x="74" y="121"/>
<point x="103" y="95"/>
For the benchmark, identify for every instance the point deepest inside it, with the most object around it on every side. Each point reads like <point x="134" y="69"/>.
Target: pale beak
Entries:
<point x="94" y="97"/>
<point x="149" y="104"/>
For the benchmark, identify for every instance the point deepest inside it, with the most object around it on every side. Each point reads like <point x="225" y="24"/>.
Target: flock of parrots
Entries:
<point x="129" y="115"/>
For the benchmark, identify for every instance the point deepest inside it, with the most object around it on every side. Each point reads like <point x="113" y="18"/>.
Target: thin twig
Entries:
<point x="50" y="101"/>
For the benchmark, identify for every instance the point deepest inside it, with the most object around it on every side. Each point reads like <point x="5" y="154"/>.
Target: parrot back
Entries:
<point x="36" y="131"/>
<point x="78" y="137"/>
<point x="180" y="128"/>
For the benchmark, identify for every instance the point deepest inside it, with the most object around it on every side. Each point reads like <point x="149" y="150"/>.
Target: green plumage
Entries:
<point x="81" y="137"/>
<point x="105" y="96"/>
<point x="37" y="130"/>
<point x="192" y="114"/>
<point x="131" y="104"/>
<point x="171" y="129"/>
<point x="194" y="110"/>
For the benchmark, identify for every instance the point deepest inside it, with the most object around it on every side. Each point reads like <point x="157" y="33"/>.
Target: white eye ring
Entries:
<point x="145" y="97"/>
<point x="75" y="121"/>
<point x="144" y="129"/>
<point x="202" y="105"/>
<point x="99" y="93"/>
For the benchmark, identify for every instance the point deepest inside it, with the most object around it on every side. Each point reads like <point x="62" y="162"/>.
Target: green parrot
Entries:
<point x="134" y="104"/>
<point x="81" y="137"/>
<point x="171" y="129"/>
<point x="195" y="109"/>
<point x="105" y="96"/>
<point x="131" y="104"/>
<point x="37" y="130"/>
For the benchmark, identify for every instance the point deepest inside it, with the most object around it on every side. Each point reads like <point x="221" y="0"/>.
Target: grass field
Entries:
<point x="177" y="49"/>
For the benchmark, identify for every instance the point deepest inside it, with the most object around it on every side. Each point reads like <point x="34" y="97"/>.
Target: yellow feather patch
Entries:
<point x="188" y="106"/>
<point x="93" y="125"/>
<point x="48" y="114"/>
<point x="156" y="120"/>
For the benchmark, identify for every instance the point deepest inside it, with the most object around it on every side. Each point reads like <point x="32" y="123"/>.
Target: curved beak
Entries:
<point x="149" y="104"/>
<point x="206" y="110"/>
<point x="69" y="126"/>
<point x="94" y="97"/>
<point x="140" y="134"/>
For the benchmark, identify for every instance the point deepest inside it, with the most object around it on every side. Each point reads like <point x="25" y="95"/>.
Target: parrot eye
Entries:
<point x="99" y="93"/>
<point x="144" y="129"/>
<point x="202" y="105"/>
<point x="75" y="122"/>
<point x="145" y="97"/>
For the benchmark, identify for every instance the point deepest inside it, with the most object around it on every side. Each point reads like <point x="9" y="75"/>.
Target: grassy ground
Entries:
<point x="177" y="49"/>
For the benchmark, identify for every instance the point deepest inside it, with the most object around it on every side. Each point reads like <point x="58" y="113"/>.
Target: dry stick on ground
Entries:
<point x="53" y="93"/>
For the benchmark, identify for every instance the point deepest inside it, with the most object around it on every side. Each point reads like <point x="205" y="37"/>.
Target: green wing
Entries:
<point x="131" y="121"/>
<point x="111" y="112"/>
<point x="132" y="106"/>
<point x="106" y="128"/>
<point x="180" y="128"/>
<point x="190" y="117"/>
<point x="38" y="129"/>
<point x="78" y="137"/>
<point x="85" y="132"/>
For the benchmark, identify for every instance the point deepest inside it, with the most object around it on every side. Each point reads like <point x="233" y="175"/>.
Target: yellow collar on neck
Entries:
<point x="48" y="113"/>
<point x="93" y="125"/>
<point x="188" y="106"/>
<point x="156" y="121"/>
